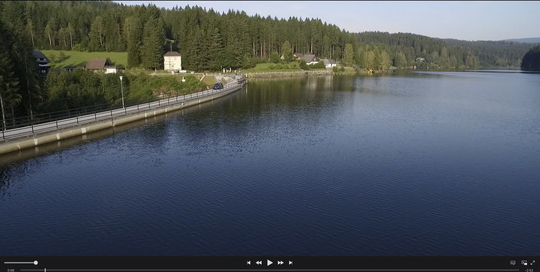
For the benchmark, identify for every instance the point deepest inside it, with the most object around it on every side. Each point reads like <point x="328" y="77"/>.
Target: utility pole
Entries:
<point x="122" y="90"/>
<point x="28" y="88"/>
<point x="2" y="103"/>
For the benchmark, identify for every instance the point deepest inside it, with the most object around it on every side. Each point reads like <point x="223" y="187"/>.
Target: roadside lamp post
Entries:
<point x="122" y="90"/>
<point x="3" y="113"/>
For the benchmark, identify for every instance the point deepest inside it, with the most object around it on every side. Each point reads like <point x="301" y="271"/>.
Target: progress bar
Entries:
<point x="322" y="270"/>
<point x="34" y="262"/>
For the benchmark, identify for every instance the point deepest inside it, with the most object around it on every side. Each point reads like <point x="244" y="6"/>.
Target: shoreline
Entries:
<point x="82" y="130"/>
<point x="288" y="74"/>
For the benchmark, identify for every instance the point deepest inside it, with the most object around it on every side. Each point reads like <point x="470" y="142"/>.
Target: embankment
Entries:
<point x="49" y="137"/>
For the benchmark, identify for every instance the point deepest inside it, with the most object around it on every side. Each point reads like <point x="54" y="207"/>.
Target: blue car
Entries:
<point x="218" y="86"/>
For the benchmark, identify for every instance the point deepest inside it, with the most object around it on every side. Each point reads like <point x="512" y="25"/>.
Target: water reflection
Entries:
<point x="387" y="165"/>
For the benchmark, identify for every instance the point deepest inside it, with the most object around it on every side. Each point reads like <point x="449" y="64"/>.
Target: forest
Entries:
<point x="531" y="60"/>
<point x="207" y="41"/>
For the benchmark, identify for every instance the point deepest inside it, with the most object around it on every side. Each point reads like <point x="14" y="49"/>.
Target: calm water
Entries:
<point x="419" y="164"/>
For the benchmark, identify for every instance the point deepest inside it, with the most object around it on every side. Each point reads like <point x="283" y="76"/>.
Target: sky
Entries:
<point x="463" y="20"/>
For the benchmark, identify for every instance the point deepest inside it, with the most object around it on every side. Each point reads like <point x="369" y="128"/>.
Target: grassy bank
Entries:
<point x="272" y="67"/>
<point x="75" y="58"/>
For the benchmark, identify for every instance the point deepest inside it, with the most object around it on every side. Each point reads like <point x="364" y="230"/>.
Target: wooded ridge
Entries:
<point x="207" y="41"/>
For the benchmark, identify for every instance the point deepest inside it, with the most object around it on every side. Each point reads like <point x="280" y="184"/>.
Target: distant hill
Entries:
<point x="488" y="53"/>
<point x="525" y="40"/>
<point x="79" y="59"/>
<point x="494" y="53"/>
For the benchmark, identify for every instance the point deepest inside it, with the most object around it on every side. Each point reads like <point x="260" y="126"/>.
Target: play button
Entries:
<point x="268" y="262"/>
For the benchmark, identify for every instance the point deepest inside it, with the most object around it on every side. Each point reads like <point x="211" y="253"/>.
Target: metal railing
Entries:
<point x="75" y="117"/>
<point x="316" y="71"/>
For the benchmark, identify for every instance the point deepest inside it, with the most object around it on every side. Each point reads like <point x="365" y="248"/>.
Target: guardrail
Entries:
<point x="288" y="73"/>
<point x="71" y="119"/>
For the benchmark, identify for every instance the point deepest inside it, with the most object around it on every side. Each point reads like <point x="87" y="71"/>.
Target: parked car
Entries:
<point x="218" y="86"/>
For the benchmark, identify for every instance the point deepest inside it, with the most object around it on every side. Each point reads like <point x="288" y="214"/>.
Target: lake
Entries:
<point x="423" y="164"/>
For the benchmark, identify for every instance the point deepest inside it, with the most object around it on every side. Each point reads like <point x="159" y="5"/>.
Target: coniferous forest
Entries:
<point x="531" y="60"/>
<point x="207" y="40"/>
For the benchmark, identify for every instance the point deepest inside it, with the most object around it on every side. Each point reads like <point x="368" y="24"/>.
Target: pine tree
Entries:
<point x="348" y="55"/>
<point x="400" y="61"/>
<point x="97" y="35"/>
<point x="216" y="51"/>
<point x="286" y="52"/>
<point x="531" y="60"/>
<point x="134" y="33"/>
<point x="153" y="41"/>
<point x="17" y="51"/>
<point x="9" y="89"/>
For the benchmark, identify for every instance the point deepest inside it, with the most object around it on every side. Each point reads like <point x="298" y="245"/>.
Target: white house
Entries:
<point x="172" y="61"/>
<point x="310" y="59"/>
<point x="110" y="69"/>
<point x="329" y="63"/>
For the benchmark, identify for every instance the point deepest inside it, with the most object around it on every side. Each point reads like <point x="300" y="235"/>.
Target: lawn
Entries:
<point x="209" y="80"/>
<point x="75" y="58"/>
<point x="266" y="67"/>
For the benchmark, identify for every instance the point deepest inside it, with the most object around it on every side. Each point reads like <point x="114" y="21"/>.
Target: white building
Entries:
<point x="172" y="61"/>
<point x="110" y="69"/>
<point x="329" y="63"/>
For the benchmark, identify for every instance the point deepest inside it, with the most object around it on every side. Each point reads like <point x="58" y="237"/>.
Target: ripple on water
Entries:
<point x="424" y="165"/>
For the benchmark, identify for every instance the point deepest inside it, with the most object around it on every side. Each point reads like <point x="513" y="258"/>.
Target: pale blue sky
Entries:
<point x="464" y="20"/>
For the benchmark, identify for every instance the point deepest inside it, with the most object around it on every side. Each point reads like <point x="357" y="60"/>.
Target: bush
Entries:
<point x="77" y="47"/>
<point x="52" y="57"/>
<point x="279" y="66"/>
<point x="342" y="69"/>
<point x="318" y="65"/>
<point x="335" y="69"/>
<point x="272" y="66"/>
<point x="62" y="56"/>
<point x="274" y="57"/>
<point x="303" y="65"/>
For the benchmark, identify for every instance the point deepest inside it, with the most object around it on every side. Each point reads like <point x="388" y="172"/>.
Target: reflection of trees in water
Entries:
<point x="5" y="180"/>
<point x="11" y="173"/>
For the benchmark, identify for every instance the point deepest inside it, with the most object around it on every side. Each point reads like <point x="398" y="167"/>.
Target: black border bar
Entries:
<point x="267" y="263"/>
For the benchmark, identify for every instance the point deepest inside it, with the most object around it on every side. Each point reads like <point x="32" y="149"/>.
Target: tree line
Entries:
<point x="21" y="86"/>
<point x="207" y="40"/>
<point x="82" y="88"/>
<point x="494" y="53"/>
<point x="531" y="60"/>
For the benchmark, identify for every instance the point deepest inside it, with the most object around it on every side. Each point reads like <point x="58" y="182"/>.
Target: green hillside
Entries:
<point x="75" y="58"/>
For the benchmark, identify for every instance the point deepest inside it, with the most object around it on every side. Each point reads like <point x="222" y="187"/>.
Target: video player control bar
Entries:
<point x="321" y="270"/>
<point x="269" y="263"/>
